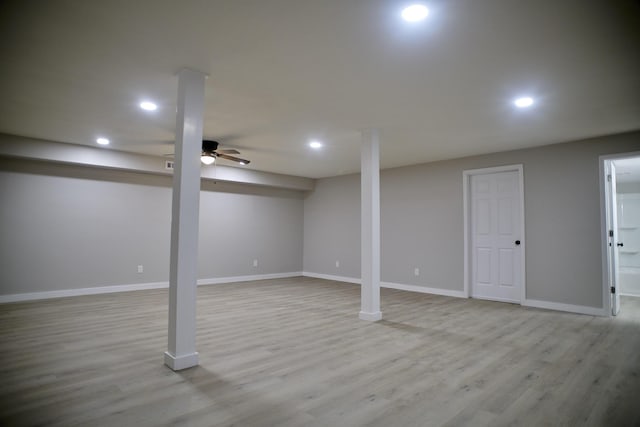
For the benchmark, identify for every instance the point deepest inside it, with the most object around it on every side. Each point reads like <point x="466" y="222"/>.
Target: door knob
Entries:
<point x="620" y="244"/>
<point x="517" y="242"/>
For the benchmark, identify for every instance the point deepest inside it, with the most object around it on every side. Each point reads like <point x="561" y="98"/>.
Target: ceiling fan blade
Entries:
<point x="230" y="151"/>
<point x="233" y="159"/>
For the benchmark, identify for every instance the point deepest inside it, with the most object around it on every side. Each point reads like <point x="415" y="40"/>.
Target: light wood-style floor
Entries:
<point x="293" y="352"/>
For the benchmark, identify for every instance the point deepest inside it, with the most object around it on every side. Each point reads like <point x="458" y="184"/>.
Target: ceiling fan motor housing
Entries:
<point x="209" y="146"/>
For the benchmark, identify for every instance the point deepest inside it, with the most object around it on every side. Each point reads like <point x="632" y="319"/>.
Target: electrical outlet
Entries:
<point x="168" y="165"/>
<point x="337" y="264"/>
<point x="416" y="271"/>
<point x="255" y="262"/>
<point x="140" y="269"/>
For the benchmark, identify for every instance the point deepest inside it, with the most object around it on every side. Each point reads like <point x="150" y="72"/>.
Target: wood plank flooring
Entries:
<point x="293" y="352"/>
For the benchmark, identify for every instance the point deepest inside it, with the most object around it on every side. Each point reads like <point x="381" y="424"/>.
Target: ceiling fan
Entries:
<point x="210" y="152"/>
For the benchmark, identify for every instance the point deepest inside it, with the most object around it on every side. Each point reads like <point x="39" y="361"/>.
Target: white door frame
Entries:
<point x="466" y="194"/>
<point x="604" y="238"/>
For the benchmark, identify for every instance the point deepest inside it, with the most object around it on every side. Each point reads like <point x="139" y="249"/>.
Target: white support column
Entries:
<point x="183" y="271"/>
<point x="370" y="226"/>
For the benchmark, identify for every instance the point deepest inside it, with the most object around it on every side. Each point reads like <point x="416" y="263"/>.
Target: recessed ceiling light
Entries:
<point x="148" y="106"/>
<point x="102" y="141"/>
<point x="523" y="102"/>
<point x="415" y="13"/>
<point x="315" y="144"/>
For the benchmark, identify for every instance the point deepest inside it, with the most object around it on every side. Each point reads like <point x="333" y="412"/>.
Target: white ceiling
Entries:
<point x="285" y="71"/>
<point x="628" y="170"/>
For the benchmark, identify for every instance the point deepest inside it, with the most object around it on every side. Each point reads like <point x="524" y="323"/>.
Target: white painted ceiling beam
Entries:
<point x="42" y="150"/>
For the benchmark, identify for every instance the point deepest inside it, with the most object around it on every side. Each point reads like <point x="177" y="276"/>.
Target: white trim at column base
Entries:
<point x="371" y="317"/>
<point x="181" y="362"/>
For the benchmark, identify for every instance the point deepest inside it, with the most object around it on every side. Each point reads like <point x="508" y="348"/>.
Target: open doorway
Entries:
<point x="620" y="182"/>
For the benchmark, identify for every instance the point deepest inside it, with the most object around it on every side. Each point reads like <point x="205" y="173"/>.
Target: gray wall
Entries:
<point x="332" y="227"/>
<point x="628" y="187"/>
<point x="68" y="227"/>
<point x="422" y="221"/>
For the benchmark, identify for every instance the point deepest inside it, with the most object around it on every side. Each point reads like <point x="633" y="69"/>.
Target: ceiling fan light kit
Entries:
<point x="207" y="158"/>
<point x="210" y="152"/>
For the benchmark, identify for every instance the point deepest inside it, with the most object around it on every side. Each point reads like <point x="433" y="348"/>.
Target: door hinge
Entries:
<point x="610" y="233"/>
<point x="613" y="289"/>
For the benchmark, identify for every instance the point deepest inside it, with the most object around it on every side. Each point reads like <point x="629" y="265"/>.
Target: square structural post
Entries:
<point x="370" y="226"/>
<point x="183" y="269"/>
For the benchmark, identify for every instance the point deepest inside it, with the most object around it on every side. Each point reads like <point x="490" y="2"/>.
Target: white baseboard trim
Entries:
<point x="629" y="294"/>
<point x="579" y="309"/>
<point x="332" y="277"/>
<point x="235" y="279"/>
<point x="424" y="289"/>
<point x="496" y="299"/>
<point x="33" y="296"/>
<point x="390" y="285"/>
<point x="570" y="308"/>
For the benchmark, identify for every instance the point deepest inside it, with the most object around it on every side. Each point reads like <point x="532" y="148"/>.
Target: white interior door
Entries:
<point x="612" y="230"/>
<point x="496" y="237"/>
